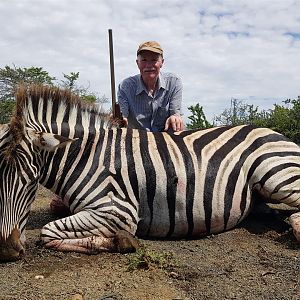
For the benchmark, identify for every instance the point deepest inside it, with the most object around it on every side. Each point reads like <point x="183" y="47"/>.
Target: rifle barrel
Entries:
<point x="112" y="73"/>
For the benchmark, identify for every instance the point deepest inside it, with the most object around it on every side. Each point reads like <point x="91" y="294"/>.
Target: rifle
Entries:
<point x="116" y="112"/>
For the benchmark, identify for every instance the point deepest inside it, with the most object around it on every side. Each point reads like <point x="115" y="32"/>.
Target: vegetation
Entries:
<point x="198" y="119"/>
<point x="6" y="109"/>
<point x="239" y="113"/>
<point x="11" y="77"/>
<point x="286" y="119"/>
<point x="145" y="259"/>
<point x="283" y="118"/>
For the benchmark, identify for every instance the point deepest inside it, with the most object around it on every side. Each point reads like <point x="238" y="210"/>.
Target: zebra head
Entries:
<point x="21" y="160"/>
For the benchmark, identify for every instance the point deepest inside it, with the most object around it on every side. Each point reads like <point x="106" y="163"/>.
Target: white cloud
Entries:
<point x="221" y="49"/>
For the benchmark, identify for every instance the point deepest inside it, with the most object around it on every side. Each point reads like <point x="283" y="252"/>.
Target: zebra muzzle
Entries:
<point x="11" y="249"/>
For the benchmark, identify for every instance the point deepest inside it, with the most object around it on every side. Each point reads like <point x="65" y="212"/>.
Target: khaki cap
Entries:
<point x="150" y="46"/>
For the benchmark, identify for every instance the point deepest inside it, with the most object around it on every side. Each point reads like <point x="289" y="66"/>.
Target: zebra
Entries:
<point x="122" y="183"/>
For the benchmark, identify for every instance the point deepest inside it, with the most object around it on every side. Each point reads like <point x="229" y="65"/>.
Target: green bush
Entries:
<point x="145" y="259"/>
<point x="6" y="109"/>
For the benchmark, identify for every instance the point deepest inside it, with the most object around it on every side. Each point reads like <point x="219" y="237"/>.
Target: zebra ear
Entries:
<point x="48" y="141"/>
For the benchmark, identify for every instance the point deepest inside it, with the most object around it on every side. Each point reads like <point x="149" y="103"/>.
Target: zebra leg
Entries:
<point x="87" y="232"/>
<point x="295" y="223"/>
<point x="287" y="192"/>
<point x="87" y="245"/>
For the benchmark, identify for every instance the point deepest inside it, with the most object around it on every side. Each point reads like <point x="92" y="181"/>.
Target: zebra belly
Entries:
<point x="159" y="228"/>
<point x="198" y="221"/>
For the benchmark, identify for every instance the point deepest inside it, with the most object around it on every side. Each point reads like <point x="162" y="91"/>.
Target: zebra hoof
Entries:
<point x="125" y="242"/>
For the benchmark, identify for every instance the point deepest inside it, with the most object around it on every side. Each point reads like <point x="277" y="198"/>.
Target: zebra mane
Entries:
<point x="34" y="101"/>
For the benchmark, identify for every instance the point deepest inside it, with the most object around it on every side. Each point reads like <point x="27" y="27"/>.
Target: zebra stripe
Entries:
<point x="220" y="181"/>
<point x="161" y="185"/>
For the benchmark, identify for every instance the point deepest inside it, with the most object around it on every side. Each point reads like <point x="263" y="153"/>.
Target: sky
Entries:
<point x="221" y="49"/>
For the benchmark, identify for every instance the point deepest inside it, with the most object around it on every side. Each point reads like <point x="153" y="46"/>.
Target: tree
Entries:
<point x="239" y="113"/>
<point x="10" y="77"/>
<point x="83" y="92"/>
<point x="70" y="81"/>
<point x="198" y="119"/>
<point x="6" y="109"/>
<point x="284" y="119"/>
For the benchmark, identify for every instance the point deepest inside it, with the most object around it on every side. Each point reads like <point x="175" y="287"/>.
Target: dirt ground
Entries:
<point x="258" y="260"/>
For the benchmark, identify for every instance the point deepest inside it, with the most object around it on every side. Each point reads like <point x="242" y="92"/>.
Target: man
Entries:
<point x="152" y="99"/>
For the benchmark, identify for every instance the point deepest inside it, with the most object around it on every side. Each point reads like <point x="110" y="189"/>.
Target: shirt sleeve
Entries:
<point x="123" y="100"/>
<point x="176" y="99"/>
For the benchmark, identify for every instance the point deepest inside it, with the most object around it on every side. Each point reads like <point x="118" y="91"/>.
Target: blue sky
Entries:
<point x="248" y="50"/>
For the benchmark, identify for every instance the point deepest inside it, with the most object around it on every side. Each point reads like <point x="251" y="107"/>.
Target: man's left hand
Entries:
<point x="175" y="122"/>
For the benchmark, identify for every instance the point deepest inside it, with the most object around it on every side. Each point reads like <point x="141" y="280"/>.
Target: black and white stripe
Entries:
<point x="162" y="185"/>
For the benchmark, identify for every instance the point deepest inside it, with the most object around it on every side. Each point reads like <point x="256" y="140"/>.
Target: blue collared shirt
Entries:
<point x="146" y="111"/>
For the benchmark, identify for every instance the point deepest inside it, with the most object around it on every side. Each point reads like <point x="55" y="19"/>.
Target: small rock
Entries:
<point x="39" y="277"/>
<point x="174" y="274"/>
<point x="77" y="297"/>
<point x="135" y="286"/>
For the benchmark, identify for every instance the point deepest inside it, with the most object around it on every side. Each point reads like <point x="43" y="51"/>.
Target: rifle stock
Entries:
<point x="117" y="110"/>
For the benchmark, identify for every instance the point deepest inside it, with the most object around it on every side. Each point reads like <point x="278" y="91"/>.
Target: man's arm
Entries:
<point x="175" y="120"/>
<point x="123" y="101"/>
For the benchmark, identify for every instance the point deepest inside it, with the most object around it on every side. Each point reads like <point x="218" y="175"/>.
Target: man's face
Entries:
<point x="149" y="64"/>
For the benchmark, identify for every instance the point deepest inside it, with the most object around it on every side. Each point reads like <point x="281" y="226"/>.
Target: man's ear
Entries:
<point x="162" y="62"/>
<point x="48" y="141"/>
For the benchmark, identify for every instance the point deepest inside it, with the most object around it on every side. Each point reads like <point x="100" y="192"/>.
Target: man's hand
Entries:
<point x="175" y="122"/>
<point x="123" y="122"/>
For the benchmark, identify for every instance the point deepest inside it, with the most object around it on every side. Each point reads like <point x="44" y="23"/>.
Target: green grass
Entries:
<point x="144" y="259"/>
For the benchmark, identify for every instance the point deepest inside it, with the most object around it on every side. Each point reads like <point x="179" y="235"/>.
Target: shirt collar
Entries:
<point x="161" y="82"/>
<point x="141" y="87"/>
